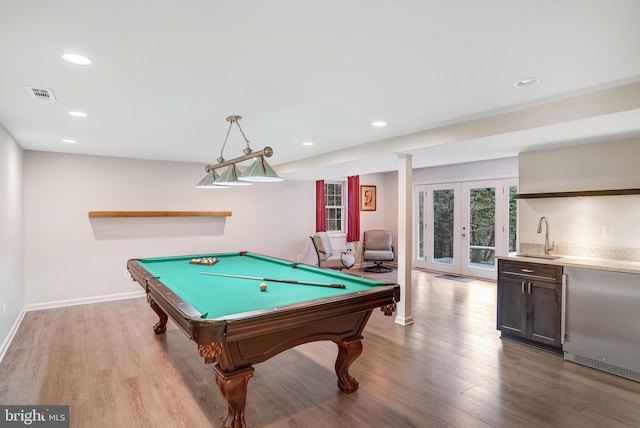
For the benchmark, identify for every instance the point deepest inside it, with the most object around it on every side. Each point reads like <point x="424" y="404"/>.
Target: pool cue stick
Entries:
<point x="289" y="281"/>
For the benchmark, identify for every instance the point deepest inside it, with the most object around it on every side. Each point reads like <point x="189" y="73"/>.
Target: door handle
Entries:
<point x="529" y="289"/>
<point x="522" y="288"/>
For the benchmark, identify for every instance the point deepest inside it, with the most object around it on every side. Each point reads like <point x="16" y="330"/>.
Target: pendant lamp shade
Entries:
<point x="209" y="182"/>
<point x="260" y="171"/>
<point x="230" y="177"/>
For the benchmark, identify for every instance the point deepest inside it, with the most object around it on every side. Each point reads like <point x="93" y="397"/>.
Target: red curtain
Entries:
<point x="321" y="215"/>
<point x="353" y="208"/>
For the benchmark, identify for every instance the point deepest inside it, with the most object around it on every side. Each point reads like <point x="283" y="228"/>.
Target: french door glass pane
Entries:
<point x="421" y="225"/>
<point x="513" y="219"/>
<point x="443" y="226"/>
<point x="482" y="232"/>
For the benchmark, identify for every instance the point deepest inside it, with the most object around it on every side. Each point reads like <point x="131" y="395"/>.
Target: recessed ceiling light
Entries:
<point x="307" y="143"/>
<point x="529" y="81"/>
<point x="77" y="114"/>
<point x="76" y="59"/>
<point x="69" y="141"/>
<point x="379" y="123"/>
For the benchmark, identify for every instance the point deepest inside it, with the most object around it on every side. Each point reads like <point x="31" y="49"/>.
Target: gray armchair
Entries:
<point x="324" y="250"/>
<point x="377" y="247"/>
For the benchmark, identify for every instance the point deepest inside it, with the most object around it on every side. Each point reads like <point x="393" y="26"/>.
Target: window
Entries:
<point x="334" y="206"/>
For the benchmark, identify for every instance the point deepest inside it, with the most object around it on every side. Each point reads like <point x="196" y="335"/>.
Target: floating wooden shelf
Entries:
<point x="116" y="214"/>
<point x="577" y="193"/>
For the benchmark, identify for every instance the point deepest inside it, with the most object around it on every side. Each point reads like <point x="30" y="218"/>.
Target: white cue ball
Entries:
<point x="263" y="286"/>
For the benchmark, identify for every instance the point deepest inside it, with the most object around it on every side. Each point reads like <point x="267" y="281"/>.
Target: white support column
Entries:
<point x="405" y="236"/>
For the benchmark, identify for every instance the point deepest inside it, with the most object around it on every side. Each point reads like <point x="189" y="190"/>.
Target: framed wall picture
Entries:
<point x="367" y="198"/>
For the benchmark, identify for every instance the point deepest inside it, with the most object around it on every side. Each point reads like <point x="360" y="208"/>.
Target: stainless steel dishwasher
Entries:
<point x="602" y="324"/>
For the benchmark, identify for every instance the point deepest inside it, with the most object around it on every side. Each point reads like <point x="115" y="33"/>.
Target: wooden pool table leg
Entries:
<point x="234" y="389"/>
<point x="161" y="326"/>
<point x="348" y="351"/>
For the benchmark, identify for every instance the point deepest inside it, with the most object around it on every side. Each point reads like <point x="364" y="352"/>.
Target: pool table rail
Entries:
<point x="189" y="320"/>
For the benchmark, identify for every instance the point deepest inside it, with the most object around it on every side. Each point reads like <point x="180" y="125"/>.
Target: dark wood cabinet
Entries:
<point x="512" y="307"/>
<point x="530" y="303"/>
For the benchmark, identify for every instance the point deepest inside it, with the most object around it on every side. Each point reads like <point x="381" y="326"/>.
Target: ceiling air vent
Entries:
<point x="41" y="94"/>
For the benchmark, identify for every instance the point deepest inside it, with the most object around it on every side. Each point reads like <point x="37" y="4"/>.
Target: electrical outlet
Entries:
<point x="4" y="309"/>
<point x="607" y="232"/>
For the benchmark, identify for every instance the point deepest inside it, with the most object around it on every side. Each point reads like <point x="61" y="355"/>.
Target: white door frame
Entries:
<point x="460" y="264"/>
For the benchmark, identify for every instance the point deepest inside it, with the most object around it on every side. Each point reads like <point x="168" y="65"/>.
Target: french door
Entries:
<point x="462" y="226"/>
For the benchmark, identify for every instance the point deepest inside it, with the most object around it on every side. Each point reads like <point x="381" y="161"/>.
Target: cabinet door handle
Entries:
<point x="523" y="284"/>
<point x="529" y="288"/>
<point x="527" y="270"/>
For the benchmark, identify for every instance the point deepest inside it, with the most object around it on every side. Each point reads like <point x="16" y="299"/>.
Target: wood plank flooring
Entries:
<point x="448" y="369"/>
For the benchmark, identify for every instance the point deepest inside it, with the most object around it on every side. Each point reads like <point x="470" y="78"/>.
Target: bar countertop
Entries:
<point x="612" y="265"/>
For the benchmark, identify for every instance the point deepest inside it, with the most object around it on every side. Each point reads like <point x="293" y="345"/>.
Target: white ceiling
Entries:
<point x="167" y="73"/>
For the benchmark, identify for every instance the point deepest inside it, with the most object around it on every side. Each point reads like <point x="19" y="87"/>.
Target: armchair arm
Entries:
<point x="334" y="252"/>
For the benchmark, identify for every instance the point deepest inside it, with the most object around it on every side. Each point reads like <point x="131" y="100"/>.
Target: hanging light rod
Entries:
<point x="266" y="152"/>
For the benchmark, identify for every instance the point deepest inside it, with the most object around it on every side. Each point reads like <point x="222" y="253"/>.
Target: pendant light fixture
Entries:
<point x="259" y="171"/>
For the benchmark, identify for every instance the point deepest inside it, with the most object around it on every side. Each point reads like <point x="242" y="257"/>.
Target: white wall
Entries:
<point x="389" y="204"/>
<point x="577" y="223"/>
<point x="12" y="292"/>
<point x="374" y="219"/>
<point x="69" y="256"/>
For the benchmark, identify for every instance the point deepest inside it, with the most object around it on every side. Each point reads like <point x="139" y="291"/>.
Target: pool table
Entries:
<point x="235" y="325"/>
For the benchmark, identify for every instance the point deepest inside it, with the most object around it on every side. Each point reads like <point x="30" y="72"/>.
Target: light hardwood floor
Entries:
<point x="448" y="369"/>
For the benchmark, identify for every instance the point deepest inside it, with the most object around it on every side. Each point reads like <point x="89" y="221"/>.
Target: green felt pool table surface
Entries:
<point x="217" y="296"/>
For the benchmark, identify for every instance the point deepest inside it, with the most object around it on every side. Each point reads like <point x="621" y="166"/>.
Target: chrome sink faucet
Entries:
<point x="547" y="248"/>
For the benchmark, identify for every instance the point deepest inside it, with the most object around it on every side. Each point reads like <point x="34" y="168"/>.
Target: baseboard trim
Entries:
<point x="83" y="301"/>
<point x="59" y="304"/>
<point x="12" y="332"/>
<point x="404" y="321"/>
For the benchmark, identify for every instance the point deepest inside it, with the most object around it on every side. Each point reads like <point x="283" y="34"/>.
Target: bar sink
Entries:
<point x="539" y="256"/>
